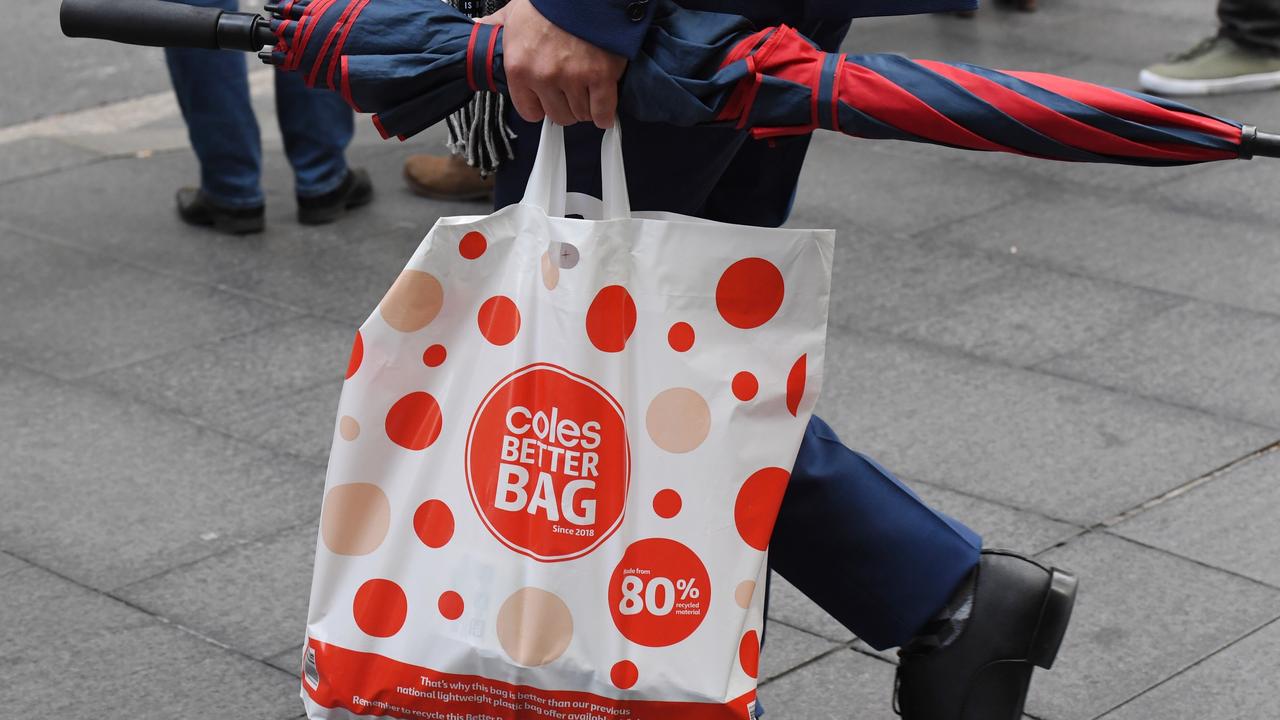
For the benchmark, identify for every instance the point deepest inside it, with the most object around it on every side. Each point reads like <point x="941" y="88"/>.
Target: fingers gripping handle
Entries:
<point x="548" y="182"/>
<point x="164" y="24"/>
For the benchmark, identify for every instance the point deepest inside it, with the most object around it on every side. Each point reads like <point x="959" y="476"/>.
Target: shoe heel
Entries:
<point x="1054" y="618"/>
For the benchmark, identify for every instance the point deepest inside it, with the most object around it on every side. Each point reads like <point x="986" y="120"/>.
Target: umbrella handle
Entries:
<point x="165" y="24"/>
<point x="1254" y="143"/>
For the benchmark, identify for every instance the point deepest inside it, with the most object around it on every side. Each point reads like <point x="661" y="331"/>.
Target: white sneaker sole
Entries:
<point x="1161" y="85"/>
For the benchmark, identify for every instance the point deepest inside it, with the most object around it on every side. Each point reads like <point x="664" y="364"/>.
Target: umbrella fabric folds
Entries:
<point x="411" y="63"/>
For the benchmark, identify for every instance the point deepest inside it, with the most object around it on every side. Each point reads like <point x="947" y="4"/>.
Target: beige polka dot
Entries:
<point x="413" y="301"/>
<point x="550" y="271"/>
<point x="742" y="595"/>
<point x="355" y="519"/>
<point x="534" y="626"/>
<point x="678" y="420"/>
<point x="348" y="428"/>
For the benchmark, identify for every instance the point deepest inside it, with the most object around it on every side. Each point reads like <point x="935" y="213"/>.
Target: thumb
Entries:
<point x="497" y="18"/>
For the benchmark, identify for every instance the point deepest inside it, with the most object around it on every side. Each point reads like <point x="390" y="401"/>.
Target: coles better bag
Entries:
<point x="559" y="454"/>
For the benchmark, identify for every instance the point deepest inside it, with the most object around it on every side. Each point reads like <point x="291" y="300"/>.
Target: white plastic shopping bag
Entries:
<point x="559" y="454"/>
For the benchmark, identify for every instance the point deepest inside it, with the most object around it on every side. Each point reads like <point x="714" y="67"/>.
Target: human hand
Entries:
<point x="553" y="73"/>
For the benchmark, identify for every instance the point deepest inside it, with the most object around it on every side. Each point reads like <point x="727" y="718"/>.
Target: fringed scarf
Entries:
<point x="478" y="131"/>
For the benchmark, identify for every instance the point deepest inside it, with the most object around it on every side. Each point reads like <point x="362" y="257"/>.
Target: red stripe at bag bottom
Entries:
<point x="371" y="684"/>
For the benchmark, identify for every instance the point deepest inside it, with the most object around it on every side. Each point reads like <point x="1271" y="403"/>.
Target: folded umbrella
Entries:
<point x="412" y="62"/>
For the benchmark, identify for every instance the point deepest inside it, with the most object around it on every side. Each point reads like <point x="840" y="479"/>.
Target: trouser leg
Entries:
<point x="1254" y="23"/>
<point x="212" y="87"/>
<point x="863" y="546"/>
<point x="317" y="125"/>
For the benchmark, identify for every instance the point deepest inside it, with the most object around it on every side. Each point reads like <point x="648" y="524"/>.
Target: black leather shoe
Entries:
<point x="1020" y="613"/>
<point x="196" y="208"/>
<point x="355" y="190"/>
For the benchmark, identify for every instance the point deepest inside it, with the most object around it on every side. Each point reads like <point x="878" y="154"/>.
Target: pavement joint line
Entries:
<point x="1184" y="670"/>
<point x="1180" y="302"/>
<point x="1050" y="266"/>
<point x="155" y="270"/>
<point x="1193" y="561"/>
<point x="138" y="608"/>
<point x="801" y="628"/>
<point x="1189" y="486"/>
<point x="54" y="171"/>
<point x="957" y="353"/>
<point x="256" y="540"/>
<point x="1001" y="503"/>
<point x="115" y="117"/>
<point x="816" y="658"/>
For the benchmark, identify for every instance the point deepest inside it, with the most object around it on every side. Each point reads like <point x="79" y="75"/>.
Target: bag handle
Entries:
<point x="548" y="182"/>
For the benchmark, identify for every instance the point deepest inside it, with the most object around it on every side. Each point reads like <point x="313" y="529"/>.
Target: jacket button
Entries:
<point x="635" y="10"/>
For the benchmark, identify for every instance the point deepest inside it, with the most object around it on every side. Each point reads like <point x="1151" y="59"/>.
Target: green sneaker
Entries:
<point x="1216" y="65"/>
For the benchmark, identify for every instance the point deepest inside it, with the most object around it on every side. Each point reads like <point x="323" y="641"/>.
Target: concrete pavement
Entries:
<point x="1079" y="361"/>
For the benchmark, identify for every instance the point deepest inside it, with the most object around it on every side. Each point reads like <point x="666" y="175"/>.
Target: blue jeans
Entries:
<point x="213" y="91"/>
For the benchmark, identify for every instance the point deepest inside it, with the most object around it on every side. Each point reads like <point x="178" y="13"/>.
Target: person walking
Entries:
<point x="1243" y="56"/>
<point x="970" y="623"/>
<point x="212" y="88"/>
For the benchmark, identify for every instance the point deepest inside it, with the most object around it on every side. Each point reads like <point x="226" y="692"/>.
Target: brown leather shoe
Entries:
<point x="446" y="178"/>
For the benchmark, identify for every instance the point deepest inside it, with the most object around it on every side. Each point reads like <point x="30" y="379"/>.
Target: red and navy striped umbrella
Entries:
<point x="413" y="62"/>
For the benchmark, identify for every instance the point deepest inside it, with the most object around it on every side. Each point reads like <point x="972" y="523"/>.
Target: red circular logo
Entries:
<point x="659" y="593"/>
<point x="548" y="463"/>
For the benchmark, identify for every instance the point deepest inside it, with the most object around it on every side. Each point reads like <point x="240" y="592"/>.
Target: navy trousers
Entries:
<point x="213" y="92"/>
<point x="850" y="535"/>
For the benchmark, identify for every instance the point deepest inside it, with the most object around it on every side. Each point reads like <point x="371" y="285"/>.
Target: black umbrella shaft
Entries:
<point x="1255" y="143"/>
<point x="164" y="24"/>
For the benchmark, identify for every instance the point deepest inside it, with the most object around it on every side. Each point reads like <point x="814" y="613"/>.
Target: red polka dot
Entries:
<point x="611" y="319"/>
<point x="745" y="386"/>
<point x="667" y="503"/>
<point x="624" y="674"/>
<point x="749" y="653"/>
<point x="499" y="320"/>
<point x="380" y="608"/>
<point x="749" y="293"/>
<point x="756" y="508"/>
<point x="434" y="356"/>
<point x="414" y="422"/>
<point x="450" y="605"/>
<point x="473" y="245"/>
<point x="680" y="337"/>
<point x="433" y="522"/>
<point x="795" y="384"/>
<point x="357" y="355"/>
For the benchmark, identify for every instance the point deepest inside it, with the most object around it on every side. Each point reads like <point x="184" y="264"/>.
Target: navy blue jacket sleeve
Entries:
<point x="848" y="9"/>
<point x="618" y="26"/>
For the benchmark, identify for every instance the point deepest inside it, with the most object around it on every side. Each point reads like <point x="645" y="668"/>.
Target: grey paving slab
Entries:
<point x="842" y="685"/>
<point x="73" y="313"/>
<point x="1189" y="9"/>
<point x="847" y="184"/>
<point x="1244" y="191"/>
<point x="1031" y="315"/>
<point x="1136" y="243"/>
<point x="252" y="597"/>
<point x="1139" y="39"/>
<point x="82" y="655"/>
<point x="1217" y="358"/>
<point x="109" y="491"/>
<point x="217" y="381"/>
<point x="790" y="606"/>
<point x="1229" y="522"/>
<point x="1000" y="526"/>
<point x="1064" y="449"/>
<point x="995" y="39"/>
<point x="47" y="73"/>
<point x="34" y="156"/>
<point x="1141" y="616"/>
<point x="883" y="281"/>
<point x="1223" y="687"/>
<point x="302" y="424"/>
<point x="786" y="648"/>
